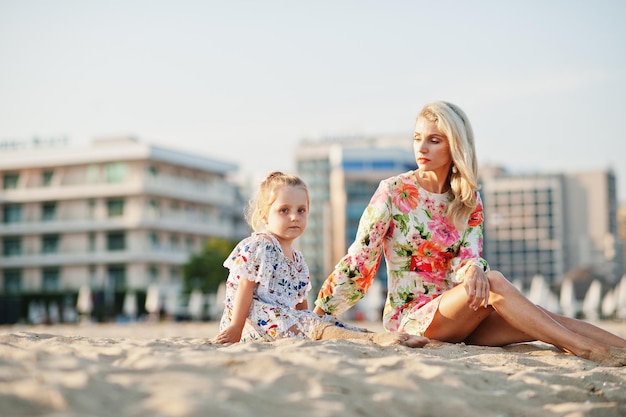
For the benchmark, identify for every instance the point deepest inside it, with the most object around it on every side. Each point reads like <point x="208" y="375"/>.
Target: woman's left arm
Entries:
<point x="471" y="246"/>
<point x="469" y="267"/>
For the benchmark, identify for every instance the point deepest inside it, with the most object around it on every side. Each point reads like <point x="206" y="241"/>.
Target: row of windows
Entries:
<point x="51" y="278"/>
<point x="115" y="241"/>
<point x="114" y="173"/>
<point x="12" y="213"/>
<point x="12" y="245"/>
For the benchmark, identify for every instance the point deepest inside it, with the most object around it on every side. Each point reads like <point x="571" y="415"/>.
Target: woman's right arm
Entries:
<point x="241" y="308"/>
<point x="355" y="272"/>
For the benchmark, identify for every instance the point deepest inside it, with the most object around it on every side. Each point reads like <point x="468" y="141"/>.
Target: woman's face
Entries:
<point x="431" y="148"/>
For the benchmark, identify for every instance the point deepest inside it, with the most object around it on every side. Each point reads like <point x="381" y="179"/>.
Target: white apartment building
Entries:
<point x="117" y="216"/>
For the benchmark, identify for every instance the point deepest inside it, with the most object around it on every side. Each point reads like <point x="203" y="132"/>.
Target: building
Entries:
<point x="342" y="175"/>
<point x="116" y="216"/>
<point x="621" y="225"/>
<point x="551" y="224"/>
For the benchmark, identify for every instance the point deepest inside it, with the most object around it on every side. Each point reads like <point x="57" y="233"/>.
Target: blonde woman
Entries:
<point x="428" y="224"/>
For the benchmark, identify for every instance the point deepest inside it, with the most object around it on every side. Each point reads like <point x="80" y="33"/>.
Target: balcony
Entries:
<point x="217" y="194"/>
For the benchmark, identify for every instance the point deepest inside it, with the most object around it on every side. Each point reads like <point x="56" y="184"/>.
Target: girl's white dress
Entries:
<point x="282" y="284"/>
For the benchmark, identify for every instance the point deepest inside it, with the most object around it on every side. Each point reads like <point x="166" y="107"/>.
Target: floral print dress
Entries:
<point x="282" y="284"/>
<point x="425" y="254"/>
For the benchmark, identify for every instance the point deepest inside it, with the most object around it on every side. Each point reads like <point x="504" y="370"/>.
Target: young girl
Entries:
<point x="266" y="290"/>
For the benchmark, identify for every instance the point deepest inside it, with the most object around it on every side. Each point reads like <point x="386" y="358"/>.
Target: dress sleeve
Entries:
<point x="355" y="272"/>
<point x="254" y="258"/>
<point x="471" y="248"/>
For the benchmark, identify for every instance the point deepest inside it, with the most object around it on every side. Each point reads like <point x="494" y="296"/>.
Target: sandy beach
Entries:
<point x="170" y="369"/>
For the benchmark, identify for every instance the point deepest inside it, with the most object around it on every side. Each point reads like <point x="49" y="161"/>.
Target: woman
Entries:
<point x="428" y="224"/>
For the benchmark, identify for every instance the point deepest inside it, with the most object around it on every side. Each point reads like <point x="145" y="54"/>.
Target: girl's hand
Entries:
<point x="231" y="334"/>
<point x="476" y="286"/>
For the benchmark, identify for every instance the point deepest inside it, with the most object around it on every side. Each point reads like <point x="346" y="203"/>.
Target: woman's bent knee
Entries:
<point x="498" y="282"/>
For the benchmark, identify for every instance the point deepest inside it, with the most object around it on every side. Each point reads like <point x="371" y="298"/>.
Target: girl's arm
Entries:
<point x="303" y="305"/>
<point x="241" y="308"/>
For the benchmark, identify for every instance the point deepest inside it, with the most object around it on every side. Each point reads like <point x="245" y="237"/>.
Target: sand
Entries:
<point x="169" y="369"/>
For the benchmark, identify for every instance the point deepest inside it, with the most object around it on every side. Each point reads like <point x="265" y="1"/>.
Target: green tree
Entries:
<point x="205" y="270"/>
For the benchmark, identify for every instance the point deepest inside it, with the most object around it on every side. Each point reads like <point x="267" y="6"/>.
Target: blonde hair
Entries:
<point x="258" y="208"/>
<point x="453" y="123"/>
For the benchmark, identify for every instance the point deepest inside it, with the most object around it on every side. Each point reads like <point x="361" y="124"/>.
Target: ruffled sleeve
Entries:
<point x="254" y="258"/>
<point x="470" y="250"/>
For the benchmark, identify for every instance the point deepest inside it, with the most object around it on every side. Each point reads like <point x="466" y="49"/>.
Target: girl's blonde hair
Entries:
<point x="258" y="208"/>
<point x="453" y="123"/>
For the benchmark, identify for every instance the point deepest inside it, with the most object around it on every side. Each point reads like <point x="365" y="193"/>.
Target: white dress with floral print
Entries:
<point x="425" y="254"/>
<point x="282" y="284"/>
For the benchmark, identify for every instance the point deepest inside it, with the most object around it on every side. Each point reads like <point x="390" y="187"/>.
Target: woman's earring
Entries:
<point x="454" y="170"/>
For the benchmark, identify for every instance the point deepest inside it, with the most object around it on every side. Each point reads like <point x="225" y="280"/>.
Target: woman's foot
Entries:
<point x="613" y="356"/>
<point x="405" y="339"/>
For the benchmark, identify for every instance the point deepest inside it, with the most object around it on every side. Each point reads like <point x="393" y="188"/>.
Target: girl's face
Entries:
<point x="431" y="148"/>
<point x="288" y="214"/>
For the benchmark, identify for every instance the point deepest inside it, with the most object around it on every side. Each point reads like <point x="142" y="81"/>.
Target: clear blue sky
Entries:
<point x="544" y="82"/>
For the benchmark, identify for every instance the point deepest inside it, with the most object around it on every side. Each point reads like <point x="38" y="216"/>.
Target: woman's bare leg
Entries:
<point x="517" y="320"/>
<point x="329" y="331"/>
<point x="589" y="330"/>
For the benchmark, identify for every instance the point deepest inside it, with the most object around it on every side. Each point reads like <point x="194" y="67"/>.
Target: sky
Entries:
<point x="543" y="82"/>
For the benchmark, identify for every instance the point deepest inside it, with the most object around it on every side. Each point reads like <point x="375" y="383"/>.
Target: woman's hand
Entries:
<point x="317" y="310"/>
<point x="231" y="334"/>
<point x="476" y="286"/>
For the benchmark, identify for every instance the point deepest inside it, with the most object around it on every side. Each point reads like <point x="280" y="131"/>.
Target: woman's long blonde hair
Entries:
<point x="453" y="123"/>
<point x="258" y="208"/>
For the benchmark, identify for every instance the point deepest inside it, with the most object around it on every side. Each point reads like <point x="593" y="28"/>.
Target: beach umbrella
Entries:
<point x="538" y="292"/>
<point x="568" y="301"/>
<point x="130" y="305"/>
<point x="196" y="304"/>
<point x="609" y="304"/>
<point x="84" y="303"/>
<point x="620" y="298"/>
<point x="152" y="299"/>
<point x="591" y="302"/>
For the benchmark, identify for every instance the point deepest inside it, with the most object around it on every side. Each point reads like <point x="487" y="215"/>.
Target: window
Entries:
<point x="174" y="275"/>
<point x="50" y="279"/>
<point x="9" y="181"/>
<point x="93" y="277"/>
<point x="153" y="171"/>
<point x="12" y="213"/>
<point x="154" y="274"/>
<point x="50" y="244"/>
<point x="116" y="241"/>
<point x="91" y="208"/>
<point x="115" y="207"/>
<point x="153" y="208"/>
<point x="117" y="277"/>
<point x="92" y="242"/>
<point x="174" y="241"/>
<point x="93" y="174"/>
<point x="154" y="240"/>
<point x="11" y="246"/>
<point x="48" y="211"/>
<point x="115" y="172"/>
<point x="46" y="178"/>
<point x="12" y="281"/>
